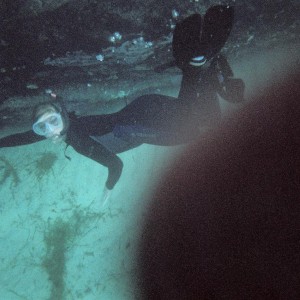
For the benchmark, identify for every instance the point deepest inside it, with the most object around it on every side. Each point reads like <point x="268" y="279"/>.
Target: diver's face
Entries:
<point x="50" y="125"/>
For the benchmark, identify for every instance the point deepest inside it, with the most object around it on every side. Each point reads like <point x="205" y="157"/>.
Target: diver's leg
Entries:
<point x="189" y="88"/>
<point x="195" y="41"/>
<point x="155" y="119"/>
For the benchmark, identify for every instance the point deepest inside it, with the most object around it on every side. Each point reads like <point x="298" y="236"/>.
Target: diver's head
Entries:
<point x="49" y="121"/>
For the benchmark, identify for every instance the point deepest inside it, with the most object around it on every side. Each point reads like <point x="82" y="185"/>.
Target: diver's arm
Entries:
<point x="95" y="151"/>
<point x="20" y="139"/>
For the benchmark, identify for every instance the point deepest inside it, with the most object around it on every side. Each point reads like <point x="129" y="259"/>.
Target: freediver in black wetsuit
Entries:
<point x="153" y="119"/>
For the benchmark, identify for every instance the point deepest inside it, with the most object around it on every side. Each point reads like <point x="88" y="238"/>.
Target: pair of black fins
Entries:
<point x="200" y="36"/>
<point x="197" y="36"/>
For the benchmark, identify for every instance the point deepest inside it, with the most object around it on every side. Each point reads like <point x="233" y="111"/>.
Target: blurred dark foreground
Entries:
<point x="225" y="221"/>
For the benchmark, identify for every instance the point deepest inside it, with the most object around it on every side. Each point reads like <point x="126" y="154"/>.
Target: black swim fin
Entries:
<point x="186" y="39"/>
<point x="197" y="36"/>
<point x="217" y="25"/>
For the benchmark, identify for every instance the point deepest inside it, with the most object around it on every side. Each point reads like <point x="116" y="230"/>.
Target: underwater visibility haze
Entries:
<point x="71" y="227"/>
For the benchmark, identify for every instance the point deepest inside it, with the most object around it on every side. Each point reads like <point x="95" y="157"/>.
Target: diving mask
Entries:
<point x="48" y="125"/>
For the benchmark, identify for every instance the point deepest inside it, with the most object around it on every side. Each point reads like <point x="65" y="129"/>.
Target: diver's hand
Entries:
<point x="105" y="196"/>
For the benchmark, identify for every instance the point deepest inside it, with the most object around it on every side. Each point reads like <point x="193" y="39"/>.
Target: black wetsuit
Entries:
<point x="153" y="119"/>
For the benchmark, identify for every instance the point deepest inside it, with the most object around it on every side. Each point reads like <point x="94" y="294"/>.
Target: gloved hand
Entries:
<point x="105" y="197"/>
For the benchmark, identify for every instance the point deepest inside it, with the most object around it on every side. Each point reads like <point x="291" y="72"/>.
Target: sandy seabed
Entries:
<point x="57" y="241"/>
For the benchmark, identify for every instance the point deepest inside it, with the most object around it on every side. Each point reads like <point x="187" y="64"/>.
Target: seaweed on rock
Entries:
<point x="60" y="237"/>
<point x="56" y="240"/>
